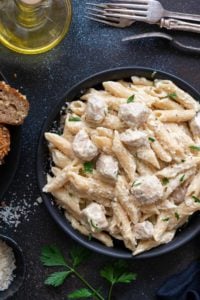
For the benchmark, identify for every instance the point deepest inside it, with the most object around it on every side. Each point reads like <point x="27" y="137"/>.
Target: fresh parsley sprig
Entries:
<point x="117" y="273"/>
<point x="52" y="257"/>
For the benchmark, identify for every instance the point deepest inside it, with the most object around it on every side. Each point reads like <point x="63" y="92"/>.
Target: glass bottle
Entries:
<point x="33" y="26"/>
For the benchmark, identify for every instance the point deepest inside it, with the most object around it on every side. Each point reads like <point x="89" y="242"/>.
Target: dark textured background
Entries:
<point x="88" y="48"/>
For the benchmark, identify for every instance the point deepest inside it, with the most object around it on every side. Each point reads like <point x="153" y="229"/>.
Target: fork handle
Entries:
<point x="173" y="24"/>
<point x="182" y="16"/>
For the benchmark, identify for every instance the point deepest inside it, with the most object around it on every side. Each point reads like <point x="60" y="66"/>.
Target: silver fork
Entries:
<point x="96" y="12"/>
<point x="150" y="11"/>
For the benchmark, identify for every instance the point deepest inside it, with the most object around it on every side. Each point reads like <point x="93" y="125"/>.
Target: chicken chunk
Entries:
<point x="134" y="138"/>
<point x="195" y="125"/>
<point x="94" y="217"/>
<point x="144" y="230"/>
<point x="83" y="147"/>
<point x="147" y="189"/>
<point x="107" y="166"/>
<point x="133" y="114"/>
<point x="96" y="109"/>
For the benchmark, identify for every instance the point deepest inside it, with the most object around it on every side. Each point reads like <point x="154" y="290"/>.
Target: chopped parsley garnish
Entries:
<point x="74" y="119"/>
<point x="172" y="96"/>
<point x="131" y="99"/>
<point x="151" y="139"/>
<point x="94" y="226"/>
<point x="136" y="183"/>
<point x="182" y="178"/>
<point x="165" y="181"/>
<point x="196" y="200"/>
<point x="183" y="160"/>
<point x="88" y="167"/>
<point x="177" y="216"/>
<point x="165" y="219"/>
<point x="193" y="147"/>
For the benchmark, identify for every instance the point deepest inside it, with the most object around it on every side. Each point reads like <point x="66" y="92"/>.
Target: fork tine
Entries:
<point x="102" y="21"/>
<point x="100" y="11"/>
<point x="129" y="17"/>
<point x="102" y="5"/>
<point x="134" y="6"/>
<point x="100" y="16"/>
<point x="134" y="1"/>
<point x="127" y="11"/>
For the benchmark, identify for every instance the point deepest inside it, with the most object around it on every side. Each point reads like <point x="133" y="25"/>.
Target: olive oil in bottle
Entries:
<point x="33" y="26"/>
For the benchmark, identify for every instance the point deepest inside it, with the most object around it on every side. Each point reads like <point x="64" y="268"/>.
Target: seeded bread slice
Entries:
<point x="4" y="142"/>
<point x="14" y="106"/>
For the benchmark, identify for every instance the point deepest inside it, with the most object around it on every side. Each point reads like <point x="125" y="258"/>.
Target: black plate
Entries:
<point x="8" y="169"/>
<point x="182" y="236"/>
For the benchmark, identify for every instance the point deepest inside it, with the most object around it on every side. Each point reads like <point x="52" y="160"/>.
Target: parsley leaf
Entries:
<point x="165" y="219"/>
<point x="172" y="96"/>
<point x="116" y="273"/>
<point x="97" y="229"/>
<point x="74" y="119"/>
<point x="165" y="181"/>
<point x="177" y="216"/>
<point x="88" y="167"/>
<point x="51" y="256"/>
<point x="193" y="147"/>
<point x="151" y="139"/>
<point x="131" y="99"/>
<point x="182" y="160"/>
<point x="78" y="255"/>
<point x="57" y="278"/>
<point x="182" y="178"/>
<point x="81" y="293"/>
<point x="197" y="200"/>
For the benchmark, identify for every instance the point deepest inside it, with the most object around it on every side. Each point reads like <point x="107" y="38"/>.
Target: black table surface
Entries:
<point x="88" y="48"/>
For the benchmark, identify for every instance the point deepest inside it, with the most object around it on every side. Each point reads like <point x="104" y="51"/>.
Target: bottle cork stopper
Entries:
<point x="31" y="2"/>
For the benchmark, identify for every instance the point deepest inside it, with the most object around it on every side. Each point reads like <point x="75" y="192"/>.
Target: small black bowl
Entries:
<point x="119" y="251"/>
<point x="19" y="272"/>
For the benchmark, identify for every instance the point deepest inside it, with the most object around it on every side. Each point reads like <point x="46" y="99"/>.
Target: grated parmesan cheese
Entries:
<point x="7" y="265"/>
<point x="17" y="211"/>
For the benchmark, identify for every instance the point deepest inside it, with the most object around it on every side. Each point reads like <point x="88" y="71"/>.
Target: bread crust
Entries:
<point x="4" y="142"/>
<point x="14" y="106"/>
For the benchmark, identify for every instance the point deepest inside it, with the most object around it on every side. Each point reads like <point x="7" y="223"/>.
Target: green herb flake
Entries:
<point x="131" y="99"/>
<point x="136" y="183"/>
<point x="88" y="167"/>
<point x="172" y="96"/>
<point x="183" y="160"/>
<point x="165" y="181"/>
<point x="165" y="219"/>
<point x="89" y="237"/>
<point x="177" y="216"/>
<point x="94" y="226"/>
<point x="182" y="178"/>
<point x="151" y="139"/>
<point x="74" y="119"/>
<point x="196" y="200"/>
<point x="193" y="147"/>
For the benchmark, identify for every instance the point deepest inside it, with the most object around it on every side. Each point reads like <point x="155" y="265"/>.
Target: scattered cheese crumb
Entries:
<point x="7" y="266"/>
<point x="17" y="211"/>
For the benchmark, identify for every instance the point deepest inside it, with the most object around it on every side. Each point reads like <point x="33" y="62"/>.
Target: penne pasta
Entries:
<point x="126" y="165"/>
